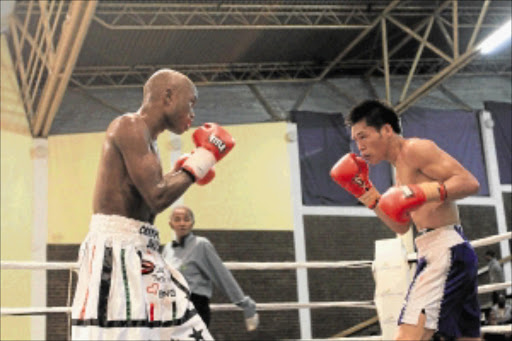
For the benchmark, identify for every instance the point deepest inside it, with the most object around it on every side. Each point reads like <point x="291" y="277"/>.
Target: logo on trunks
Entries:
<point x="166" y="293"/>
<point x="153" y="288"/>
<point x="148" y="231"/>
<point x="221" y="146"/>
<point x="160" y="276"/>
<point x="147" y="267"/>
<point x="152" y="244"/>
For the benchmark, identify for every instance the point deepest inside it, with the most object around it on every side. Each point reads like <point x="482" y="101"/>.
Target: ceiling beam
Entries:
<point x="74" y="30"/>
<point x="444" y="74"/>
<point x="412" y="71"/>
<point x="459" y="62"/>
<point x="266" y="105"/>
<point x="358" y="39"/>
<point x="407" y="38"/>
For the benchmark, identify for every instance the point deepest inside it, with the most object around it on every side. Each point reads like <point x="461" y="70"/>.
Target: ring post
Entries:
<point x="391" y="275"/>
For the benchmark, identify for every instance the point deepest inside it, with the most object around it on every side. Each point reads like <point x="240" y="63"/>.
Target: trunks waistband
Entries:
<point x="441" y="237"/>
<point x="425" y="231"/>
<point x="105" y="223"/>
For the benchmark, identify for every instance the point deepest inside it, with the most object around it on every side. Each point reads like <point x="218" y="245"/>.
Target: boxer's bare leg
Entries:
<point x="414" y="332"/>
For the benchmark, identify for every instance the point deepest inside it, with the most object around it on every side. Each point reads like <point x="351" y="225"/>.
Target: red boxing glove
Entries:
<point x="398" y="202"/>
<point x="213" y="138"/>
<point x="213" y="143"/>
<point x="203" y="181"/>
<point x="351" y="172"/>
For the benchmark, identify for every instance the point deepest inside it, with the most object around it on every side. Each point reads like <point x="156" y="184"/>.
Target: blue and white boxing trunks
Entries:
<point x="445" y="285"/>
<point x="125" y="289"/>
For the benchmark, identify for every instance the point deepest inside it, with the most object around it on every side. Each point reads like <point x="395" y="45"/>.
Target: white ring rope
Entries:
<point x="483" y="289"/>
<point x="259" y="306"/>
<point x="214" y="307"/>
<point x="11" y="265"/>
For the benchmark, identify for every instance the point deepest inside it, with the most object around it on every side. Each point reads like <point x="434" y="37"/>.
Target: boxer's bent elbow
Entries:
<point x="473" y="186"/>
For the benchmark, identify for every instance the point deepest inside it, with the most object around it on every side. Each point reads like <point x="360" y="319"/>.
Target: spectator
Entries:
<point x="495" y="273"/>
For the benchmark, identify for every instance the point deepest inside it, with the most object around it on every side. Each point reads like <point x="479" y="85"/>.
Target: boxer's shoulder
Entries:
<point x="414" y="145"/>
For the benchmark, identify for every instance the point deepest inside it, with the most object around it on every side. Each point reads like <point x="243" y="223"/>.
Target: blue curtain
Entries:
<point x="455" y="131"/>
<point x="501" y="113"/>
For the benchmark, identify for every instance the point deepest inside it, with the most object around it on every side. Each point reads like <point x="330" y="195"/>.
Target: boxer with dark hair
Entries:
<point x="443" y="294"/>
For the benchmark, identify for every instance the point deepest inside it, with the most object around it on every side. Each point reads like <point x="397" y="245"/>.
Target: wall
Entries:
<point x="17" y="199"/>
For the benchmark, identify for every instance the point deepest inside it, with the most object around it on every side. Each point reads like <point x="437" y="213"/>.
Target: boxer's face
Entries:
<point x="181" y="222"/>
<point x="370" y="141"/>
<point x="181" y="108"/>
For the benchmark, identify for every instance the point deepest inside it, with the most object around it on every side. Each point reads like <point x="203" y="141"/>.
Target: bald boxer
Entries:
<point x="443" y="294"/>
<point x="125" y="290"/>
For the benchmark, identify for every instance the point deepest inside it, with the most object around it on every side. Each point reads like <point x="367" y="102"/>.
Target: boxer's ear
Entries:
<point x="168" y="96"/>
<point x="387" y="129"/>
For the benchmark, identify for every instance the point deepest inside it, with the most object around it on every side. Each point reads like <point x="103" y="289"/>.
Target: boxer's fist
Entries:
<point x="203" y="181"/>
<point x="351" y="172"/>
<point x="213" y="143"/>
<point x="252" y="319"/>
<point x="213" y="138"/>
<point x="398" y="202"/>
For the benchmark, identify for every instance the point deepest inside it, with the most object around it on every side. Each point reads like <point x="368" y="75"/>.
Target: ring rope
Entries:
<point x="254" y="265"/>
<point x="214" y="307"/>
<point x="12" y="265"/>
<point x="259" y="306"/>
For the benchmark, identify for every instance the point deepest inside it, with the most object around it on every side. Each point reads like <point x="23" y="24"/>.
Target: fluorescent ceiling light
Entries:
<point x="492" y="42"/>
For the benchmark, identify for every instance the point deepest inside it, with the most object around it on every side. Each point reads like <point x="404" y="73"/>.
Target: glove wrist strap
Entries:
<point x="434" y="191"/>
<point x="200" y="162"/>
<point x="370" y="198"/>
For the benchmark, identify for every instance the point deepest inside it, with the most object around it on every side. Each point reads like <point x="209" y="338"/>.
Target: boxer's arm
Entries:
<point x="432" y="161"/>
<point x="159" y="191"/>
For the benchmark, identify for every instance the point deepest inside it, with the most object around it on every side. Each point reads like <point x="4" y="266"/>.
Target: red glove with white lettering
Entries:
<point x="351" y="172"/>
<point x="213" y="143"/>
<point x="205" y="180"/>
<point x="398" y="202"/>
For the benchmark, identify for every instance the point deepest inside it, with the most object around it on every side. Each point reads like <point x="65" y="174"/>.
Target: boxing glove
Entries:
<point x="351" y="172"/>
<point x="398" y="202"/>
<point x="213" y="138"/>
<point x="203" y="181"/>
<point x="252" y="319"/>
<point x="213" y="143"/>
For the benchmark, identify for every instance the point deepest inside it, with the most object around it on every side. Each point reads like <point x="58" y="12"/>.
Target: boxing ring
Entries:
<point x="257" y="266"/>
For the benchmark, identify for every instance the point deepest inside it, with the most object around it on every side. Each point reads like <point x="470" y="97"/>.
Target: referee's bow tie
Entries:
<point x="176" y="244"/>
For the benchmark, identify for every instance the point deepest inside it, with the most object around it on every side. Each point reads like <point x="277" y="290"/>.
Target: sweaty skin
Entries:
<point x="417" y="161"/>
<point x="130" y="181"/>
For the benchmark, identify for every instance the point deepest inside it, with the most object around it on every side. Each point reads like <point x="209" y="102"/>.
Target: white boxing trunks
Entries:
<point x="126" y="291"/>
<point x="445" y="285"/>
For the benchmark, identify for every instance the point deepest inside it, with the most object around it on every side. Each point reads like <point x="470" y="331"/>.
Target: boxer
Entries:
<point x="125" y="289"/>
<point x="443" y="294"/>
